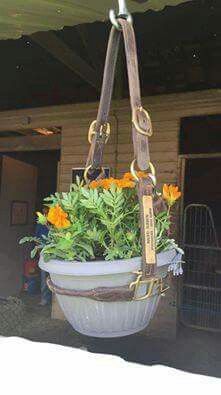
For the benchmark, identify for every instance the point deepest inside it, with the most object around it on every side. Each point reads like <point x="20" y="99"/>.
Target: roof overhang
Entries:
<point x="19" y="17"/>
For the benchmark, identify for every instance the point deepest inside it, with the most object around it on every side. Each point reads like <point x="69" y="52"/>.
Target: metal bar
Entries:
<point x="122" y="8"/>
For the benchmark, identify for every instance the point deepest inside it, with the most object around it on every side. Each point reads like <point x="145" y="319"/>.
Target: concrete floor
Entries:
<point x="193" y="350"/>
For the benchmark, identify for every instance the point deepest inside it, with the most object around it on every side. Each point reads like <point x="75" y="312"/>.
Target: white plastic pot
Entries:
<point x="104" y="319"/>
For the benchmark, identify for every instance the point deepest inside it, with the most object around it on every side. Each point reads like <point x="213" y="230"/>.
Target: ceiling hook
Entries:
<point x="122" y="13"/>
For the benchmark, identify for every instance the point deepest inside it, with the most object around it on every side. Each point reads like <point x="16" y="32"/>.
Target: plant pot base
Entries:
<point x="105" y="335"/>
<point x="107" y="319"/>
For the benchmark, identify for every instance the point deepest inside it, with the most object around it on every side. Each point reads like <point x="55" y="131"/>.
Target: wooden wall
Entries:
<point x="166" y="112"/>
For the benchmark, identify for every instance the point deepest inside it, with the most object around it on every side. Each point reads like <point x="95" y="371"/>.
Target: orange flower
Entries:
<point x="171" y="194"/>
<point x="103" y="183"/>
<point x="125" y="183"/>
<point x="128" y="176"/>
<point x="95" y="184"/>
<point x="140" y="174"/>
<point x="107" y="182"/>
<point x="57" y="217"/>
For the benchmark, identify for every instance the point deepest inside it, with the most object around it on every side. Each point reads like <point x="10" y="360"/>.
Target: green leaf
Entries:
<point x="41" y="219"/>
<point x="34" y="252"/>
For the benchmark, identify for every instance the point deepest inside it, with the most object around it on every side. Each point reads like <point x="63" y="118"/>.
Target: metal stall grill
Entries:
<point x="200" y="299"/>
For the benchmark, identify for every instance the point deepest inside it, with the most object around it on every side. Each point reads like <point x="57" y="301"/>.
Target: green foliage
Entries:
<point x="41" y="219"/>
<point x="104" y="223"/>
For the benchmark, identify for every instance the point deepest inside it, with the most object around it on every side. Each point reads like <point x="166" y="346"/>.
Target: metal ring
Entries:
<point x="86" y="179"/>
<point x="114" y="19"/>
<point x="92" y="131"/>
<point x="152" y="175"/>
<point x="135" y="122"/>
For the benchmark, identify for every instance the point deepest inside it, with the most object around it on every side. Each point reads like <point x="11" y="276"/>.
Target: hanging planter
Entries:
<point x="105" y="297"/>
<point x="90" y="310"/>
<point x="108" y="250"/>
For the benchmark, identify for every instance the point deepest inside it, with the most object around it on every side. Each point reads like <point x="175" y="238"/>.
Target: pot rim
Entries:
<point x="91" y="268"/>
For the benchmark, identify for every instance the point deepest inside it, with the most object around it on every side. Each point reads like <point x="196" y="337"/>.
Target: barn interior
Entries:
<point x="179" y="50"/>
<point x="55" y="67"/>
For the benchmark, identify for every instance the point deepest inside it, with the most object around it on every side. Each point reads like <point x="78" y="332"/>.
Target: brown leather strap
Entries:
<point x="101" y="294"/>
<point x="141" y="127"/>
<point x="141" y="148"/>
<point x="154" y="287"/>
<point x="140" y="142"/>
<point x="95" y="157"/>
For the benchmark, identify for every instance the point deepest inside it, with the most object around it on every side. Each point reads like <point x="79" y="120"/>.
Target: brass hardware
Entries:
<point x="86" y="179"/>
<point x="155" y="287"/>
<point x="104" y="129"/>
<point x="162" y="289"/>
<point x="135" y="121"/>
<point x="152" y="175"/>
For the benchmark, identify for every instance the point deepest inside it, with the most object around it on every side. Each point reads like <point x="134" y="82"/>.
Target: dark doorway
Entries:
<point x="47" y="166"/>
<point x="200" y="149"/>
<point x="202" y="185"/>
<point x="200" y="135"/>
<point x="26" y="179"/>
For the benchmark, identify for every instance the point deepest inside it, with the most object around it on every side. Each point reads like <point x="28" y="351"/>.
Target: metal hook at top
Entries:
<point x="123" y="13"/>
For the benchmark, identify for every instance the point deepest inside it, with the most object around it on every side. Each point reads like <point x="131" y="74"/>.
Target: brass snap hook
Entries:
<point x="154" y="287"/>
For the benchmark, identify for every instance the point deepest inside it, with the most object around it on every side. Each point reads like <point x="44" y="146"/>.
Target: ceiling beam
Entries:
<point x="30" y="143"/>
<point x="62" y="52"/>
<point x="91" y="48"/>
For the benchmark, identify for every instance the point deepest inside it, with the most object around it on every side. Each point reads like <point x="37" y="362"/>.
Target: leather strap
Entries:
<point x="95" y="156"/>
<point x="141" y="127"/>
<point x="141" y="148"/>
<point x="140" y="142"/>
<point x="101" y="294"/>
<point x="154" y="287"/>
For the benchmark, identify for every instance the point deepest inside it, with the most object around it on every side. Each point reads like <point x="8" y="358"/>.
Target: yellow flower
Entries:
<point x="171" y="194"/>
<point x="57" y="217"/>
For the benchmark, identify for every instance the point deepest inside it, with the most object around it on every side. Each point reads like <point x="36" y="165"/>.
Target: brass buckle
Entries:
<point x="152" y="282"/>
<point x="135" y="121"/>
<point x="104" y="129"/>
